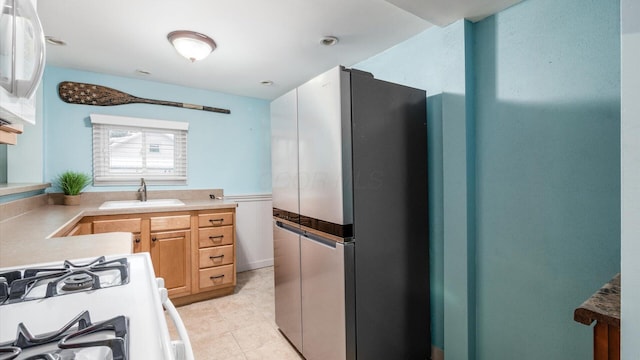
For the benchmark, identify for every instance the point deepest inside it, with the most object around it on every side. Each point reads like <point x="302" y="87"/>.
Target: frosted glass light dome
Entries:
<point x="192" y="45"/>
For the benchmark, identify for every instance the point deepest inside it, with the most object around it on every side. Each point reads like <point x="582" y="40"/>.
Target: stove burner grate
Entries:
<point x="70" y="339"/>
<point x="15" y="286"/>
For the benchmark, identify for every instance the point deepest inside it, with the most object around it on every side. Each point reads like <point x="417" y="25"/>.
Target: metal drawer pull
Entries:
<point x="137" y="240"/>
<point x="216" y="237"/>
<point x="154" y="238"/>
<point x="212" y="220"/>
<point x="216" y="277"/>
<point x="216" y="257"/>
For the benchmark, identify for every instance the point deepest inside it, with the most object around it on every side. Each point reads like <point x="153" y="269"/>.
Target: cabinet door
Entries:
<point x="137" y="243"/>
<point x="171" y="257"/>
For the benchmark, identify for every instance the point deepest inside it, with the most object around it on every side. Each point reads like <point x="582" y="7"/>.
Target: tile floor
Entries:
<point x="239" y="326"/>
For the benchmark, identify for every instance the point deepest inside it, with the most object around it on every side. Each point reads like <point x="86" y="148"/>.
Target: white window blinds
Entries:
<point x="126" y="149"/>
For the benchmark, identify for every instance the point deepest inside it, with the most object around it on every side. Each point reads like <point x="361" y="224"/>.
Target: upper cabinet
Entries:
<point x="22" y="57"/>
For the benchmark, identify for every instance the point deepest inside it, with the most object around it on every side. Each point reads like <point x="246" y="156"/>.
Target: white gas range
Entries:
<point x="105" y="308"/>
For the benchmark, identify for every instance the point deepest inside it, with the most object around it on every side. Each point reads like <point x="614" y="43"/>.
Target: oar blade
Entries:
<point x="90" y="94"/>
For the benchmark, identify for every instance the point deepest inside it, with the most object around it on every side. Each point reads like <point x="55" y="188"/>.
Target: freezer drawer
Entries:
<point x="326" y="307"/>
<point x="286" y="252"/>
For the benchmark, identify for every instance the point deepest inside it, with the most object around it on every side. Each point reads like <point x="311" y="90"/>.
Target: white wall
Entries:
<point x="254" y="233"/>
<point x="630" y="177"/>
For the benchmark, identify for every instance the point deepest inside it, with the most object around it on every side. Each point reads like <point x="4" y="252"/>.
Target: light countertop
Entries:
<point x="71" y="247"/>
<point x="27" y="239"/>
<point x="16" y="188"/>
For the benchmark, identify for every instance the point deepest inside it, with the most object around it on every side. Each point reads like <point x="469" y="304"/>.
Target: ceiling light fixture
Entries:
<point x="192" y="45"/>
<point x="266" y="82"/>
<point x="329" y="40"/>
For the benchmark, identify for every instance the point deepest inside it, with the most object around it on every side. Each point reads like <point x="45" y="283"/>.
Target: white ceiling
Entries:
<point x="445" y="12"/>
<point x="276" y="40"/>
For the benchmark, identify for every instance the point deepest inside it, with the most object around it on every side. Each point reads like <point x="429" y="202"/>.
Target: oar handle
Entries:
<point x="182" y="105"/>
<point x="205" y="108"/>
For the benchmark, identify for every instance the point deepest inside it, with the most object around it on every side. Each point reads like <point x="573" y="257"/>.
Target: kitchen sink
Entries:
<point x="127" y="204"/>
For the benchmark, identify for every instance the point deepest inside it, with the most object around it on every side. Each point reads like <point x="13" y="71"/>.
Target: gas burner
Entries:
<point x="77" y="282"/>
<point x="38" y="283"/>
<point x="78" y="339"/>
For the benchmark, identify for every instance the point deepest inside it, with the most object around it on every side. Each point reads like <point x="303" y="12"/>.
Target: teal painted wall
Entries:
<point x="523" y="125"/>
<point x="231" y="152"/>
<point x="548" y="174"/>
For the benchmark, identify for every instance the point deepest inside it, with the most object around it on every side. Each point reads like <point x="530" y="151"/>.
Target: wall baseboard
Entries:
<point x="254" y="265"/>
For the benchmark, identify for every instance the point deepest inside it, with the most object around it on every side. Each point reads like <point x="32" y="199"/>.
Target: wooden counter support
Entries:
<point x="604" y="308"/>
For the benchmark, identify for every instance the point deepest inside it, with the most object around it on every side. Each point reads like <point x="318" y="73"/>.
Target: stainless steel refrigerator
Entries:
<point x="350" y="225"/>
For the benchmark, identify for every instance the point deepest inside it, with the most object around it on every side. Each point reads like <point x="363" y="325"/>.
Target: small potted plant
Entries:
<point x="72" y="183"/>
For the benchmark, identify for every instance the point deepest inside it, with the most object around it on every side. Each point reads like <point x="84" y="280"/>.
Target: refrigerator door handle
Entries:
<point x="321" y="240"/>
<point x="288" y="227"/>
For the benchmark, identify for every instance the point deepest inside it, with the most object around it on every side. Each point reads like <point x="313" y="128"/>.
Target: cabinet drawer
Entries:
<point x="126" y="225"/>
<point x="215" y="236"/>
<point x="216" y="219"/>
<point x="215" y="277"/>
<point x="163" y="223"/>
<point x="216" y="256"/>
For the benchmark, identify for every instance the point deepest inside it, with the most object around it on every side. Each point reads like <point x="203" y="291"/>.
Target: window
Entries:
<point x="127" y="149"/>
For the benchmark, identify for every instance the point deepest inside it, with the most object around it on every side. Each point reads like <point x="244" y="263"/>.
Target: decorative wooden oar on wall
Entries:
<point x="90" y="94"/>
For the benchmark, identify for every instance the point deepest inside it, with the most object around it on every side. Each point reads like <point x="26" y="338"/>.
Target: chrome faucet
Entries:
<point x="143" y="190"/>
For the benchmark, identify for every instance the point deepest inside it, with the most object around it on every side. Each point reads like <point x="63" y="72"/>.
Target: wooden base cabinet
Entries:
<point x="170" y="249"/>
<point x="194" y="251"/>
<point x="170" y="255"/>
<point x="216" y="250"/>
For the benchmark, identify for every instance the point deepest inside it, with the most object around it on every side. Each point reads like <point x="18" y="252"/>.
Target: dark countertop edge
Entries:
<point x="603" y="306"/>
